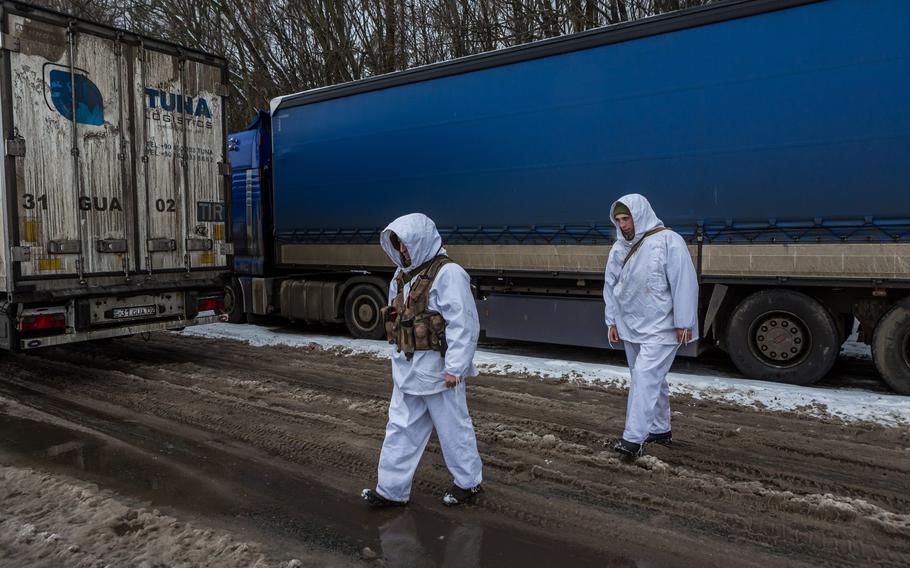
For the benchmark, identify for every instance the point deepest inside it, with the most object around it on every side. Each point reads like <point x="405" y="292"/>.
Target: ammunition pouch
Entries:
<point x="430" y="332"/>
<point x="389" y="317"/>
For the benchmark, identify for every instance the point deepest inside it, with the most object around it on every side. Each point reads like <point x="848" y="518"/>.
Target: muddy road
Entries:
<point x="194" y="451"/>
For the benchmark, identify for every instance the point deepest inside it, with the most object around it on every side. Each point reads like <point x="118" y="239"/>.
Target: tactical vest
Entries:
<point x="409" y="324"/>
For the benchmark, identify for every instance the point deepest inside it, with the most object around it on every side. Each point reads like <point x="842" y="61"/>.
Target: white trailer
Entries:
<point x="114" y="210"/>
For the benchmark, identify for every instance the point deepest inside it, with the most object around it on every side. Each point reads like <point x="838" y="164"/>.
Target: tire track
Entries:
<point x="750" y="486"/>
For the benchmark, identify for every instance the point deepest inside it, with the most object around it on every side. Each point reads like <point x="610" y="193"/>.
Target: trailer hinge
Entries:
<point x="15" y="147"/>
<point x="64" y="247"/>
<point x="21" y="254"/>
<point x="224" y="168"/>
<point x="198" y="244"/>
<point x="222" y="90"/>
<point x="160" y="245"/>
<point x="9" y="42"/>
<point x="111" y="245"/>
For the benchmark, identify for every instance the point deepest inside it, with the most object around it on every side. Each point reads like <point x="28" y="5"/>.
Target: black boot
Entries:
<point x="377" y="501"/>
<point x="664" y="439"/>
<point x="458" y="496"/>
<point x="630" y="449"/>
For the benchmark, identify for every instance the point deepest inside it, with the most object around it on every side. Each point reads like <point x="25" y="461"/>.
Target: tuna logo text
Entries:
<point x="171" y="102"/>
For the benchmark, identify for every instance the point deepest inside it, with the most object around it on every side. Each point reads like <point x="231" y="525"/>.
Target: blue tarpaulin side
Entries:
<point x="791" y="125"/>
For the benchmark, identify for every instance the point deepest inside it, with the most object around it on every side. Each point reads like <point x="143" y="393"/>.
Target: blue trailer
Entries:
<point x="771" y="134"/>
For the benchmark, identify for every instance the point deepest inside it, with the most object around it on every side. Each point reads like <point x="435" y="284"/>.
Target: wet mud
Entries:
<point x="274" y="444"/>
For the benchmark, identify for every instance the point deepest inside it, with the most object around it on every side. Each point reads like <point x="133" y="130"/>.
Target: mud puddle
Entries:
<point x="273" y="504"/>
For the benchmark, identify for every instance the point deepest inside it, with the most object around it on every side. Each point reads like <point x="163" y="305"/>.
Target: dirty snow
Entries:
<point x="53" y="520"/>
<point x="856" y="350"/>
<point x="847" y="404"/>
<point x="853" y="348"/>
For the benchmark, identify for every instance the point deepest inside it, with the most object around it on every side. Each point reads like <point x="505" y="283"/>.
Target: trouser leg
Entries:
<point x="406" y="436"/>
<point x="449" y="410"/>
<point x="661" y="422"/>
<point x="631" y="350"/>
<point x="648" y="375"/>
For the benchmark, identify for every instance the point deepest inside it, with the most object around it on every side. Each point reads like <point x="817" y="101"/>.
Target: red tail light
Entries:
<point x="207" y="304"/>
<point x="42" y="322"/>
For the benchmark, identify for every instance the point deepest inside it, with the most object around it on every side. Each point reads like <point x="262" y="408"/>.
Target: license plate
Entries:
<point x="134" y="312"/>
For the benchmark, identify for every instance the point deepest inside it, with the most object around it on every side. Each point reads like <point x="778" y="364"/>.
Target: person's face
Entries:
<point x="405" y="255"/>
<point x="626" y="225"/>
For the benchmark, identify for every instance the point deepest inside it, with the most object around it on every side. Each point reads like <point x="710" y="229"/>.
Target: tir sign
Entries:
<point x="210" y="211"/>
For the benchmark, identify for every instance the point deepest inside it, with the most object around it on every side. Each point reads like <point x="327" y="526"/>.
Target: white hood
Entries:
<point x="418" y="233"/>
<point x="656" y="292"/>
<point x="642" y="215"/>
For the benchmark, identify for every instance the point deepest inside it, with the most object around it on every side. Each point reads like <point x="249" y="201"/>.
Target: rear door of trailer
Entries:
<point x="126" y="180"/>
<point x="181" y="145"/>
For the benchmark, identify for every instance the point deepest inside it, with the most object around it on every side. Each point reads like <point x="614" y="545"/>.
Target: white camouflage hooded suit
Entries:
<point x="655" y="294"/>
<point x="420" y="398"/>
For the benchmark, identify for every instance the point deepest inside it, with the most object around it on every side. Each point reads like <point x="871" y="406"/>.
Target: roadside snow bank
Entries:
<point x="846" y="404"/>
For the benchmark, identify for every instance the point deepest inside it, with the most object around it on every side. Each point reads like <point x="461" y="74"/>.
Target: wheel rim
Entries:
<point x="366" y="313"/>
<point x="780" y="339"/>
<point x="228" y="299"/>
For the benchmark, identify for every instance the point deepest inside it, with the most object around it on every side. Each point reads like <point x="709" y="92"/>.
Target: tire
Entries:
<point x="233" y="302"/>
<point x="891" y="347"/>
<point x="783" y="336"/>
<point x="361" y="312"/>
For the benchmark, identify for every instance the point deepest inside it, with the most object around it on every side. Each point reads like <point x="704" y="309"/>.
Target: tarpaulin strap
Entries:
<point x="637" y="245"/>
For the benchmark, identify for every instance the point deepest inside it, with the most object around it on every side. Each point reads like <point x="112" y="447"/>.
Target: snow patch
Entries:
<point x="856" y="350"/>
<point x="851" y="405"/>
<point x="652" y="463"/>
<point x="52" y="520"/>
<point x="827" y="506"/>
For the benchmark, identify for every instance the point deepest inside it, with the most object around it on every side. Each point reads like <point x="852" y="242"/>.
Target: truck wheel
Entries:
<point x="891" y="347"/>
<point x="361" y="312"/>
<point x="233" y="302"/>
<point x="782" y="336"/>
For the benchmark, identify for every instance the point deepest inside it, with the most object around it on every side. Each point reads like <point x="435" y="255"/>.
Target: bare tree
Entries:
<point x="276" y="47"/>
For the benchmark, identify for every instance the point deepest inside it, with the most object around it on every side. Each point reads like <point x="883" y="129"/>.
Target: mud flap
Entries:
<point x="7" y="333"/>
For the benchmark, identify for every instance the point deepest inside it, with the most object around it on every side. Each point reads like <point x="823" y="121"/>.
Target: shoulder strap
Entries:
<point x="428" y="269"/>
<point x="398" y="301"/>
<point x="400" y="282"/>
<point x="637" y="245"/>
<point x="436" y="265"/>
<point x="423" y="280"/>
